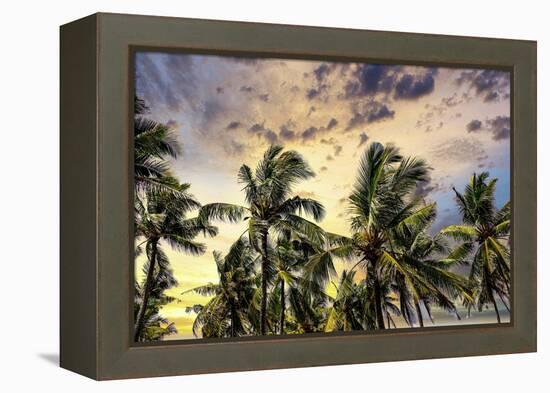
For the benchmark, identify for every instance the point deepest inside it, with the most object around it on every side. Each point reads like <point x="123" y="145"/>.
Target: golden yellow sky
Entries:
<point x="227" y="111"/>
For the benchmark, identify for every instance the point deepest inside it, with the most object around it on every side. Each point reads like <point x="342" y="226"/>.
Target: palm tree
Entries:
<point x="227" y="314"/>
<point x="430" y="260"/>
<point x="156" y="327"/>
<point x="162" y="217"/>
<point x="382" y="201"/>
<point x="485" y="231"/>
<point x="154" y="143"/>
<point x="350" y="308"/>
<point x="271" y="207"/>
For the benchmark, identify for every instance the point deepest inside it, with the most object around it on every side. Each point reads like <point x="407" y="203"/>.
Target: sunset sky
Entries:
<point x="227" y="111"/>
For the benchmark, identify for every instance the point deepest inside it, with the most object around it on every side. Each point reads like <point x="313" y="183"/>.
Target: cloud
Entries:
<point x="337" y="150"/>
<point x="234" y="148"/>
<point x="330" y="158"/>
<point x="261" y="130"/>
<point x="286" y="133"/>
<point x="323" y="169"/>
<point x="371" y="112"/>
<point x="405" y="83"/>
<point x="498" y="126"/>
<point x="411" y="87"/>
<point x="158" y="74"/>
<point x="332" y="123"/>
<point x="330" y="141"/>
<point x="426" y="187"/>
<point x="247" y="89"/>
<point x="310" y="133"/>
<point x="363" y="138"/>
<point x="370" y="79"/>
<point x="233" y="125"/>
<point x="459" y="150"/>
<point x="264" y="97"/>
<point x="474" y="125"/>
<point x="492" y="85"/>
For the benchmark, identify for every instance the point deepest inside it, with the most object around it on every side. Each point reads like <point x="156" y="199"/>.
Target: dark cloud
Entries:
<point x="310" y="133"/>
<point x="330" y="141"/>
<point x="363" y="138"/>
<point x="370" y="79"/>
<point x="316" y="92"/>
<point x="323" y="169"/>
<point x="332" y="123"/>
<point x="264" y="97"/>
<point x="257" y="128"/>
<point x="498" y="126"/>
<point x="492" y="85"/>
<point x="373" y="79"/>
<point x="330" y="158"/>
<point x="261" y="130"/>
<point x="337" y="150"/>
<point x="247" y="89"/>
<point x="286" y="133"/>
<point x="411" y="87"/>
<point x="323" y="71"/>
<point x="270" y="136"/>
<point x="371" y="112"/>
<point x="474" y="125"/>
<point x="233" y="125"/>
<point x="219" y="90"/>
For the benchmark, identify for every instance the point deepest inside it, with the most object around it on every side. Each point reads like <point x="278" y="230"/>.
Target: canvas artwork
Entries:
<point x="292" y="196"/>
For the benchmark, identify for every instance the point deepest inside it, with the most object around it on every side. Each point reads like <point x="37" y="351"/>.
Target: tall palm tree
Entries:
<point x="271" y="207"/>
<point x="430" y="260"/>
<point x="227" y="314"/>
<point x="160" y="217"/>
<point x="485" y="231"/>
<point x="381" y="201"/>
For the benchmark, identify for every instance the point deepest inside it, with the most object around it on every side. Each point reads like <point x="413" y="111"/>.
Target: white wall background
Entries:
<point x="29" y="196"/>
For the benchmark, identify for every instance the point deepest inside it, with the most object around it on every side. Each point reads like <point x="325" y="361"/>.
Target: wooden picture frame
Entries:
<point x="97" y="185"/>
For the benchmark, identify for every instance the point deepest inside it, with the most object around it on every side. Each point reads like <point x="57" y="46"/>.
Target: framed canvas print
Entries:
<point x="240" y="196"/>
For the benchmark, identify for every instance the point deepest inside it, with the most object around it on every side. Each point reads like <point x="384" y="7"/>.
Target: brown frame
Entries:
<point x="97" y="189"/>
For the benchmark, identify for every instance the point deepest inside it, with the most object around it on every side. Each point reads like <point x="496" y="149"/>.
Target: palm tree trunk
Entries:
<point x="378" y="302"/>
<point x="140" y="320"/>
<point x="233" y="320"/>
<point x="263" y="305"/>
<point x="495" y="305"/>
<point x="282" y="318"/>
<point x="419" y="313"/>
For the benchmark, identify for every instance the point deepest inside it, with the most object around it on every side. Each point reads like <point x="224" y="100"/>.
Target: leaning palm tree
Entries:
<point x="485" y="231"/>
<point x="271" y="207"/>
<point x="227" y="313"/>
<point x="155" y="326"/>
<point x="161" y="216"/>
<point x="350" y="307"/>
<point x="431" y="260"/>
<point x="381" y="201"/>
